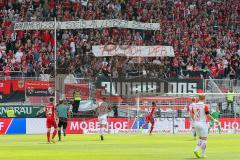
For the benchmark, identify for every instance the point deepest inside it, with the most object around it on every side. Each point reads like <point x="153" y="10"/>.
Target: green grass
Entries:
<point x="116" y="147"/>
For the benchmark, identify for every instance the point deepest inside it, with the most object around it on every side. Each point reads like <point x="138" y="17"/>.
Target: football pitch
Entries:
<point x="116" y="147"/>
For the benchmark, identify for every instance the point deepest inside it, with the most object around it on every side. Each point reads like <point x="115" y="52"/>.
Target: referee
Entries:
<point x="64" y="109"/>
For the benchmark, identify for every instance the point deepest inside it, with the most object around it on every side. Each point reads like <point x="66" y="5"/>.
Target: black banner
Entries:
<point x="40" y="92"/>
<point x="196" y="74"/>
<point x="143" y="86"/>
<point x="17" y="96"/>
<point x="39" y="88"/>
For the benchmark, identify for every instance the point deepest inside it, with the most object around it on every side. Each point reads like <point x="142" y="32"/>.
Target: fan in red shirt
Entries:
<point x="150" y="118"/>
<point x="214" y="70"/>
<point x="51" y="122"/>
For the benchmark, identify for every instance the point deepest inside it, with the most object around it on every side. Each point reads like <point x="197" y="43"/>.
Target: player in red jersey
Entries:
<point x="150" y="118"/>
<point x="51" y="122"/>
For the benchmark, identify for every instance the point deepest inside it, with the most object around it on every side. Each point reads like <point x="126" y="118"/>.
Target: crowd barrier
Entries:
<point x="114" y="126"/>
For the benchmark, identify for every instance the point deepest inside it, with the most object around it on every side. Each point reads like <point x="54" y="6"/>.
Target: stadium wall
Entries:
<point x="114" y="126"/>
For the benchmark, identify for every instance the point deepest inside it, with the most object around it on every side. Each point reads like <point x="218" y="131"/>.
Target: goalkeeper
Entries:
<point x="216" y="116"/>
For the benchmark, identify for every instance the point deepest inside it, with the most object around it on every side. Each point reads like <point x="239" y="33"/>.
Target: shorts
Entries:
<point x="102" y="119"/>
<point x="211" y="123"/>
<point x="192" y="124"/>
<point x="51" y="123"/>
<point x="62" y="122"/>
<point x="149" y="118"/>
<point x="201" y="129"/>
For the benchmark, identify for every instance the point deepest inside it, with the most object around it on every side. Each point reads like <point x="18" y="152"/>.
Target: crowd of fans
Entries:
<point x="205" y="35"/>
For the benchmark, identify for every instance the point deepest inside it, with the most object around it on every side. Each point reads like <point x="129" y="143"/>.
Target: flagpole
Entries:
<point x="55" y="60"/>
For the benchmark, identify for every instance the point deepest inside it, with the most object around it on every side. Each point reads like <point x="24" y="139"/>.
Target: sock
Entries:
<point x="48" y="136"/>
<point x="152" y="126"/>
<point x="59" y="134"/>
<point x="219" y="129"/>
<point x="54" y="133"/>
<point x="101" y="131"/>
<point x="194" y="132"/>
<point x="64" y="132"/>
<point x="204" y="145"/>
<point x="199" y="143"/>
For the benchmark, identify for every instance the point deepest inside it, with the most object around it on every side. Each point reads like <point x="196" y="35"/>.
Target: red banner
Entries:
<point x="5" y="87"/>
<point x="18" y="85"/>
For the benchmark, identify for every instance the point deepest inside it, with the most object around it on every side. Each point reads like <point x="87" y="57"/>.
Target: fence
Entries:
<point x="11" y="74"/>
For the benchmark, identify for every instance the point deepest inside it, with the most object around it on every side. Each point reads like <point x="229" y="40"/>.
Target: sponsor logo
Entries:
<point x="230" y="125"/>
<point x="89" y="125"/>
<point x="20" y="84"/>
<point x="18" y="110"/>
<point x="81" y="125"/>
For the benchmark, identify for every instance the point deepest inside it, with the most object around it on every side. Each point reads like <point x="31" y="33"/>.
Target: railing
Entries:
<point x="12" y="74"/>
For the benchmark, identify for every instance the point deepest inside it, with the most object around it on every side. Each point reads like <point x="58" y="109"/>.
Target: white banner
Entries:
<point x="86" y="24"/>
<point x="36" y="126"/>
<point x="86" y="105"/>
<point x="132" y="51"/>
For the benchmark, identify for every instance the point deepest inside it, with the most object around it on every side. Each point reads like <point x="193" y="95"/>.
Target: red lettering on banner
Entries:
<point x="164" y="51"/>
<point x="39" y="84"/>
<point x="133" y="51"/>
<point x="226" y="123"/>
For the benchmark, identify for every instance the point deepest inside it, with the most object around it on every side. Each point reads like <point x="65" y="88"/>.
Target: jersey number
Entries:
<point x="198" y="114"/>
<point x="49" y="110"/>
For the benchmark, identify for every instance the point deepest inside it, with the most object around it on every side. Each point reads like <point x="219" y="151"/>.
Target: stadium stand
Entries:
<point x="204" y="34"/>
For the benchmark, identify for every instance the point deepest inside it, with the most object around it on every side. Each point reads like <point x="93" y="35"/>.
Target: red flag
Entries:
<point x="18" y="85"/>
<point x="5" y="87"/>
